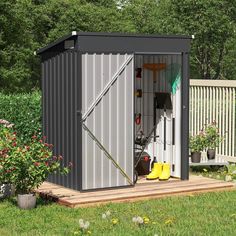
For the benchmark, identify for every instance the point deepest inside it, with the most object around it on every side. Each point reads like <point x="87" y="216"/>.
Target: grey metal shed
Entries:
<point x="98" y="92"/>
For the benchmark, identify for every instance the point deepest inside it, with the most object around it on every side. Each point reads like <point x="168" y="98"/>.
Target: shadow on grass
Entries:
<point x="213" y="168"/>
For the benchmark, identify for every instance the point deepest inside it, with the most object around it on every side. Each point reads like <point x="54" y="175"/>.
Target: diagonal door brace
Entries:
<point x="109" y="84"/>
<point x="107" y="154"/>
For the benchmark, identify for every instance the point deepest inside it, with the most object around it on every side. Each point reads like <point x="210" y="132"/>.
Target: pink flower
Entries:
<point x="40" y="140"/>
<point x="14" y="144"/>
<point x="34" y="137"/>
<point x="4" y="121"/>
<point x="60" y="157"/>
<point x="36" y="163"/>
<point x="9" y="126"/>
<point x="70" y="164"/>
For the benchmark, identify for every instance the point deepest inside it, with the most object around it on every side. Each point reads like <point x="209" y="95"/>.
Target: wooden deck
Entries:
<point x="141" y="191"/>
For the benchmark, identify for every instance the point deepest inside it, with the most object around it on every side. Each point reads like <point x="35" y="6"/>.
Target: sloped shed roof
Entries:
<point x="120" y="42"/>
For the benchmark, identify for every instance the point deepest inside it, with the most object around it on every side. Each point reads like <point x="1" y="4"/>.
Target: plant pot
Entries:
<point x="6" y="190"/>
<point x="196" y="157"/>
<point x="211" y="154"/>
<point x="26" y="201"/>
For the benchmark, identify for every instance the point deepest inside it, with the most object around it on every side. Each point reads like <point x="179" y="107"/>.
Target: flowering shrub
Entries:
<point x="197" y="143"/>
<point x="213" y="138"/>
<point x="26" y="166"/>
<point x="208" y="138"/>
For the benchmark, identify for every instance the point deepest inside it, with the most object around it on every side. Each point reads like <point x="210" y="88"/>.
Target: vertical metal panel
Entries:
<point x="59" y="83"/>
<point x="108" y="120"/>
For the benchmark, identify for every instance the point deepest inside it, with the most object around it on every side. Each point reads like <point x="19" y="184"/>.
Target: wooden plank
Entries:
<point x="229" y="159"/>
<point x="139" y="192"/>
<point x="194" y="179"/>
<point x="145" y="187"/>
<point x="139" y="189"/>
<point x="149" y="193"/>
<point x="190" y="193"/>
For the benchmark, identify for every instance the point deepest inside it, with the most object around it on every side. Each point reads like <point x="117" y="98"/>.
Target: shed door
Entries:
<point x="107" y="113"/>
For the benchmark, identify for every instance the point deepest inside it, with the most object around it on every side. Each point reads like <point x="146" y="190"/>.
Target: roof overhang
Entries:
<point x="107" y="42"/>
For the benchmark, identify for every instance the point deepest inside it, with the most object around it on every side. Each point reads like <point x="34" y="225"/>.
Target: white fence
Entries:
<point x="214" y="100"/>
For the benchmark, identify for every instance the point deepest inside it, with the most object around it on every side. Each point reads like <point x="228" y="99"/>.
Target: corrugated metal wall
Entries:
<point x="60" y="91"/>
<point x="110" y="120"/>
<point x="144" y="105"/>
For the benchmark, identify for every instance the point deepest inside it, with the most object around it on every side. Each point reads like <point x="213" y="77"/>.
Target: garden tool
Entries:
<point x="156" y="171"/>
<point x="139" y="93"/>
<point x="138" y="73"/>
<point x="165" y="175"/>
<point x="138" y="118"/>
<point x="154" y="67"/>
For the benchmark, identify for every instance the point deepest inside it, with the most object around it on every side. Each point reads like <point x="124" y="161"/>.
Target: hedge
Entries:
<point x="24" y="111"/>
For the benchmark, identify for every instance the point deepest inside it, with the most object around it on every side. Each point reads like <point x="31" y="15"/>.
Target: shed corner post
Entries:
<point x="79" y="130"/>
<point x="185" y="117"/>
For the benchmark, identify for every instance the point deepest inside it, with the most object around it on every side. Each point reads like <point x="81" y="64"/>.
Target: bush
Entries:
<point x="213" y="138"/>
<point x="26" y="166"/>
<point x="197" y="142"/>
<point x="24" y="111"/>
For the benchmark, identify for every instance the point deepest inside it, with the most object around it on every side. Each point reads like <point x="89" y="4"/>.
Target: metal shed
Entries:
<point x="101" y="89"/>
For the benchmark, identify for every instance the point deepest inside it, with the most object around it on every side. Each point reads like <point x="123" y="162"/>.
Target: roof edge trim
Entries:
<point x="78" y="33"/>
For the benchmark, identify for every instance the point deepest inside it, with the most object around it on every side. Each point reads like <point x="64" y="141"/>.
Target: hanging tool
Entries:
<point x="138" y="73"/>
<point x="154" y="67"/>
<point x="138" y="119"/>
<point x="139" y="93"/>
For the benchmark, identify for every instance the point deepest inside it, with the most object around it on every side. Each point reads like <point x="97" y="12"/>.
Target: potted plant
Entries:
<point x="196" y="145"/>
<point x="213" y="139"/>
<point x="27" y="166"/>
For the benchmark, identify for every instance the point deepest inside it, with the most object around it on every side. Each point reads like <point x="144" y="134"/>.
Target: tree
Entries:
<point x="141" y="15"/>
<point x="88" y="17"/>
<point x="26" y="25"/>
<point x="213" y="24"/>
<point x="16" y="47"/>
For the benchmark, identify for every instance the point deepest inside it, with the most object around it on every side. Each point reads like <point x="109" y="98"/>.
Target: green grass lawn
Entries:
<point x="216" y="172"/>
<point x="205" y="214"/>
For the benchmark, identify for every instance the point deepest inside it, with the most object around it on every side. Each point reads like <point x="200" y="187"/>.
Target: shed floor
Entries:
<point x="142" y="180"/>
<point x="141" y="191"/>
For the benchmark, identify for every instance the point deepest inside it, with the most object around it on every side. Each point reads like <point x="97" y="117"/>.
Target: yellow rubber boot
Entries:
<point x="156" y="171"/>
<point x="165" y="175"/>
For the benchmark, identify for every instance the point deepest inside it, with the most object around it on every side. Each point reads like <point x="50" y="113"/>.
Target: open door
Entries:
<point x="107" y="120"/>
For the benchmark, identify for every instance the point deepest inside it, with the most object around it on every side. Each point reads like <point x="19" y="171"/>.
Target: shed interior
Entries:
<point x="157" y="112"/>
